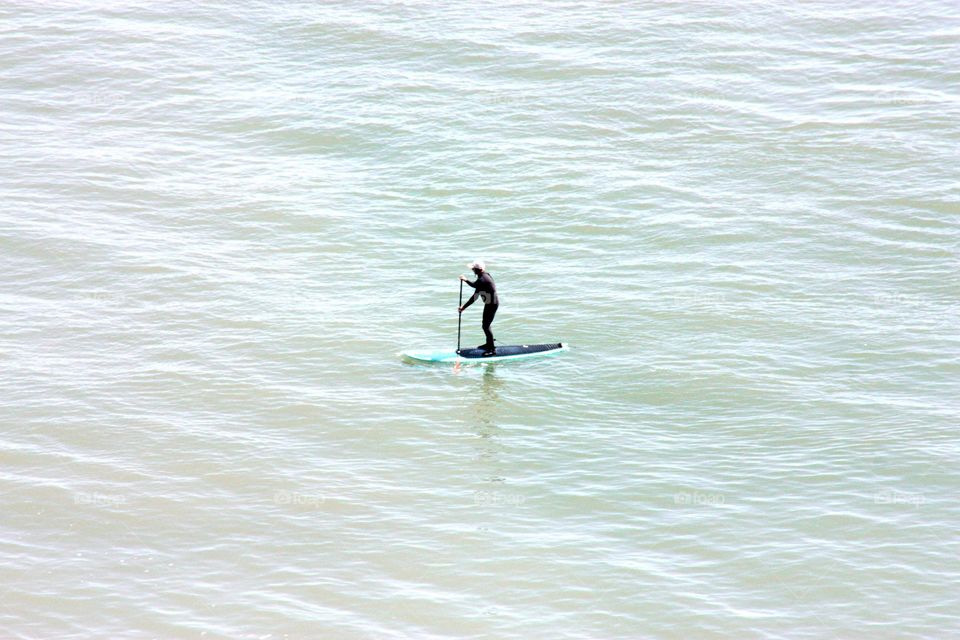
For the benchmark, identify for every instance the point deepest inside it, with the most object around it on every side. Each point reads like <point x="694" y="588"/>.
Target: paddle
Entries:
<point x="459" y="316"/>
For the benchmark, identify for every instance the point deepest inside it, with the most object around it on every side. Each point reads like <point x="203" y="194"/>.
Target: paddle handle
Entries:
<point x="459" y="316"/>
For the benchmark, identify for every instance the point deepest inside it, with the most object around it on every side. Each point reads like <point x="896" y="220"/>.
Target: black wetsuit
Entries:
<point x="487" y="291"/>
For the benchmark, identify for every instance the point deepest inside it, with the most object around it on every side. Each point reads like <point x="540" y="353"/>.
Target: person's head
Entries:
<point x="477" y="266"/>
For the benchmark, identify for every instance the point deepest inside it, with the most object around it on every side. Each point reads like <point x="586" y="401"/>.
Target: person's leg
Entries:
<point x="489" y="311"/>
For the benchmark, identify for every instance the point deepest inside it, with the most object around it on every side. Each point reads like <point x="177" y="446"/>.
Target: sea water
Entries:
<point x="221" y="221"/>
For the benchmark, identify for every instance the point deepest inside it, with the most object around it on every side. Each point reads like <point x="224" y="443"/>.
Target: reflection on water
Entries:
<point x="490" y="387"/>
<point x="485" y="411"/>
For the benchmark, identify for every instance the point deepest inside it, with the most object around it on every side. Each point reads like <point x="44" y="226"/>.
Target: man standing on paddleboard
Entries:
<point x="487" y="290"/>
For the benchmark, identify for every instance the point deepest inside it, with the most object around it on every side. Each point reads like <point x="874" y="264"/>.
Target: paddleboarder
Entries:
<point x="485" y="289"/>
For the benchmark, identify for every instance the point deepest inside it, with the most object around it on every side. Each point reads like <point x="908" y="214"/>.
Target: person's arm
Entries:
<point x="470" y="301"/>
<point x="472" y="284"/>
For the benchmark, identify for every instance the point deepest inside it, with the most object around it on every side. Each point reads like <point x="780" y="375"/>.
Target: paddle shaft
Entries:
<point x="459" y="316"/>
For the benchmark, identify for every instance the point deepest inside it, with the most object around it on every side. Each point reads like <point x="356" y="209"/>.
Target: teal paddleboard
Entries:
<point x="511" y="352"/>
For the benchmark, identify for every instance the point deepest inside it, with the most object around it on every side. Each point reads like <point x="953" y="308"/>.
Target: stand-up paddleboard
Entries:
<point x="511" y="352"/>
